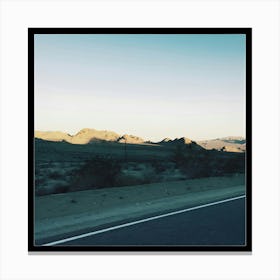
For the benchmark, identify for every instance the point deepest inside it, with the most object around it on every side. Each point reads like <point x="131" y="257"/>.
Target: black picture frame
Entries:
<point x="31" y="167"/>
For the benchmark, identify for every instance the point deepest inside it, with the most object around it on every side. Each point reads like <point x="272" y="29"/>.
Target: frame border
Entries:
<point x="162" y="30"/>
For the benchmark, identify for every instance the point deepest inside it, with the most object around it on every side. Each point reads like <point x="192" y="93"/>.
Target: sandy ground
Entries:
<point x="62" y="213"/>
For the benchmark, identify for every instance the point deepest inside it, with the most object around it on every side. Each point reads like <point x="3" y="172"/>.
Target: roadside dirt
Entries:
<point x="62" y="213"/>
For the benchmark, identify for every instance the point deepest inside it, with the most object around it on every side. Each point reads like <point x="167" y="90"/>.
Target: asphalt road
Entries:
<point x="220" y="224"/>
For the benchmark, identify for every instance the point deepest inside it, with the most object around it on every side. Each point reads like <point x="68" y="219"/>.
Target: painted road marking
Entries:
<point x="140" y="221"/>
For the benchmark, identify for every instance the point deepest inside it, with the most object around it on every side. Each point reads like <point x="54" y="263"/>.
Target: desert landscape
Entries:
<point x="96" y="177"/>
<point x="134" y="125"/>
<point x="93" y="159"/>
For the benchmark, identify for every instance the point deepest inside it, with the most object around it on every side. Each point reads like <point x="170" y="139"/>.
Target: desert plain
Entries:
<point x="96" y="178"/>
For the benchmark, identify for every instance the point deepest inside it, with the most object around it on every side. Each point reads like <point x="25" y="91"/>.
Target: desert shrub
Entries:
<point x="130" y="180"/>
<point x="55" y="175"/>
<point x="39" y="181"/>
<point x="142" y="173"/>
<point x="235" y="164"/>
<point x="51" y="187"/>
<point x="41" y="191"/>
<point x="159" y="166"/>
<point x="44" y="190"/>
<point x="206" y="163"/>
<point x="97" y="172"/>
<point x="61" y="188"/>
<point x="178" y="155"/>
<point x="197" y="165"/>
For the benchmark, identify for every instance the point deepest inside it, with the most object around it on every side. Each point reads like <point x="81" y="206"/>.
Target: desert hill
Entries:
<point x="226" y="144"/>
<point x="55" y="136"/>
<point x="88" y="135"/>
<point x="183" y="141"/>
<point x="234" y="139"/>
<point x="166" y="140"/>
<point x="130" y="139"/>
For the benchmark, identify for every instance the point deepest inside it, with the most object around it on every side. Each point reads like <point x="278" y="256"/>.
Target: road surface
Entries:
<point x="214" y="224"/>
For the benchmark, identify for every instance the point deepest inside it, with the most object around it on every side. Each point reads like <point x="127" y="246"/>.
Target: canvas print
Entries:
<point x="139" y="139"/>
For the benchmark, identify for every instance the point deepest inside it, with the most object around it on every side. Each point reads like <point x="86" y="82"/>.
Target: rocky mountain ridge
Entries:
<point x="89" y="135"/>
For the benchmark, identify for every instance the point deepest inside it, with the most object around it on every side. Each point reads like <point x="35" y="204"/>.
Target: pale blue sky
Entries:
<point x="152" y="86"/>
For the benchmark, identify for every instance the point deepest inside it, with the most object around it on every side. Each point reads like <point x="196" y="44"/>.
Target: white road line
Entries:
<point x="140" y="221"/>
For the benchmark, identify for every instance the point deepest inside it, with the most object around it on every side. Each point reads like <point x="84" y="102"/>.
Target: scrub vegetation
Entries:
<point x="62" y="167"/>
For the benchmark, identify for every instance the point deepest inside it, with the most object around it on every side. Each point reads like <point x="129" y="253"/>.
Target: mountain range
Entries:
<point x="88" y="135"/>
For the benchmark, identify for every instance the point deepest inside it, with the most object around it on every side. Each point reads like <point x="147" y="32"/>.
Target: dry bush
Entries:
<point x="99" y="172"/>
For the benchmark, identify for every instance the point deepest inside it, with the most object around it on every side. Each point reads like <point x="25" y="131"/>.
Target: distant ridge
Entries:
<point x="56" y="136"/>
<point x="226" y="144"/>
<point x="89" y="135"/>
<point x="166" y="140"/>
<point x="130" y="139"/>
<point x="181" y="141"/>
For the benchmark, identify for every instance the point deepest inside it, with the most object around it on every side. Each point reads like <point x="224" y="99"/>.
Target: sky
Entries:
<point x="153" y="86"/>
